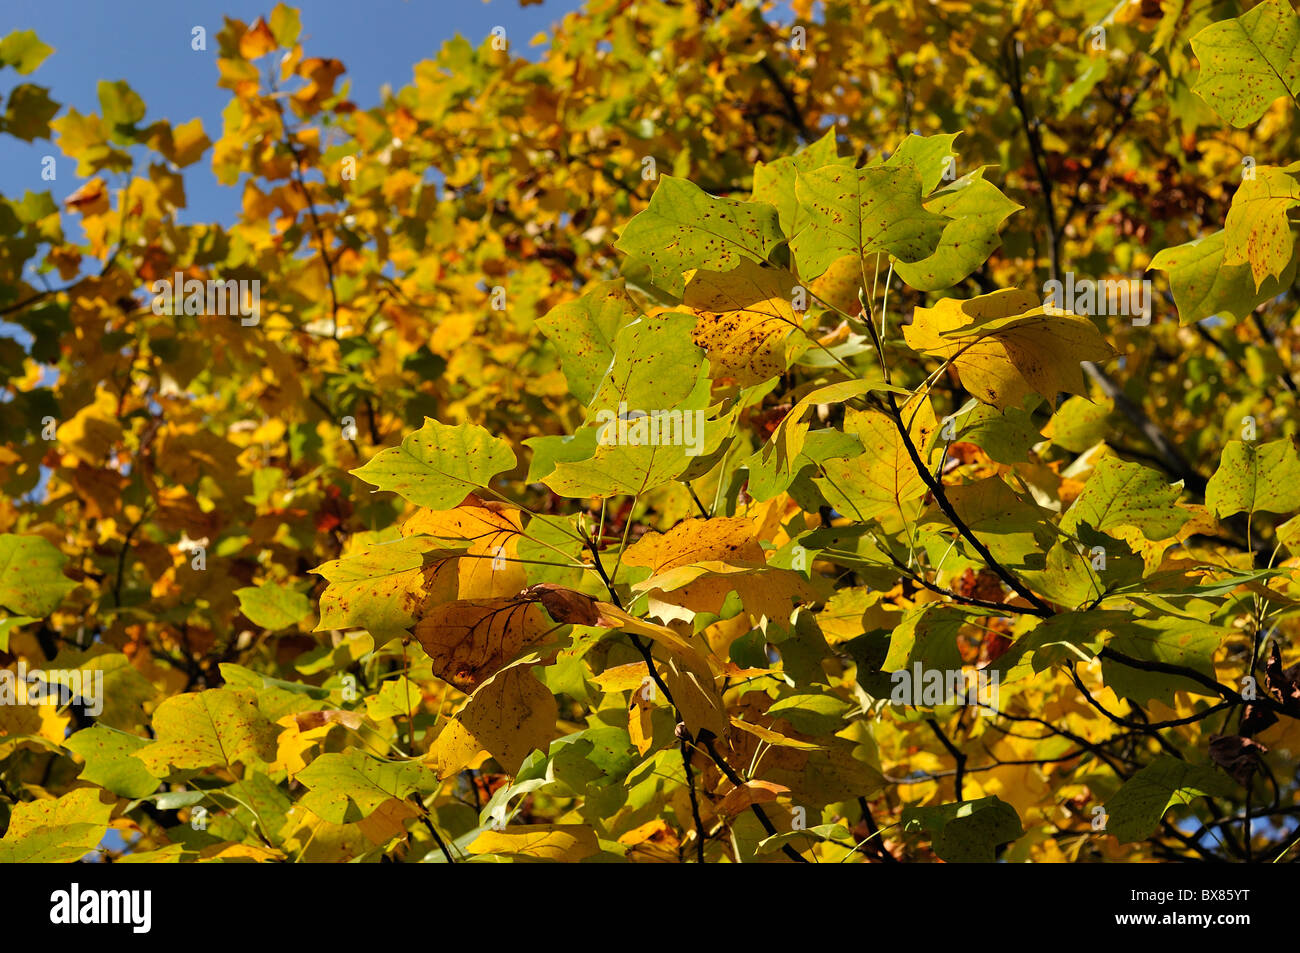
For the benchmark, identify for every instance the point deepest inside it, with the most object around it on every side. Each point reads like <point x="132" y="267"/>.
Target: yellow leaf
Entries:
<point x="489" y="569"/>
<point x="93" y="432"/>
<point x="558" y="842"/>
<point x="744" y="318"/>
<point x="1005" y="345"/>
<point x="772" y="737"/>
<point x="883" y="477"/>
<point x="257" y="41"/>
<point x="508" y="716"/>
<point x="751" y="792"/>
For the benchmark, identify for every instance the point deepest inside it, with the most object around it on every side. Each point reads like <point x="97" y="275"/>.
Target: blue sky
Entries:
<point x="147" y="43"/>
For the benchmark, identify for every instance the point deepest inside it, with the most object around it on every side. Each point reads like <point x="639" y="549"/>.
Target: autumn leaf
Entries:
<point x="554" y="842"/>
<point x="383" y="587"/>
<point x="469" y="640"/>
<point x="746" y="320"/>
<point x="1005" y="346"/>
<point x="1248" y="62"/>
<point x="509" y="715"/>
<point x="684" y="228"/>
<point x="862" y="212"/>
<point x="214" y="728"/>
<point x="31" y="577"/>
<point x="1255" y="478"/>
<point x="437" y="465"/>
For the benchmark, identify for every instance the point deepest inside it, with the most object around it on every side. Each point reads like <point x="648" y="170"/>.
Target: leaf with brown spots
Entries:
<point x="31" y="575"/>
<point x="1005" y="345"/>
<point x="744" y="320"/>
<point x="684" y="227"/>
<point x="583" y="331"/>
<point x="508" y="716"/>
<point x="1249" y="62"/>
<point x="382" y="587"/>
<point x="884" y="477"/>
<point x="862" y="212"/>
<point x="215" y="728"/>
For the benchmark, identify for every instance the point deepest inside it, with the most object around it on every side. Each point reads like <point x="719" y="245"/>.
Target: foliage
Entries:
<point x="398" y="570"/>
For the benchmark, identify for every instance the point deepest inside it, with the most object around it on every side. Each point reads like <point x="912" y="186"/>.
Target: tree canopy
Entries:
<point x="714" y="436"/>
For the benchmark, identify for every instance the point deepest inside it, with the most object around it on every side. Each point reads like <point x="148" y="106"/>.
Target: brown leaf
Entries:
<point x="1284" y="684"/>
<point x="752" y="792"/>
<point x="1239" y="756"/>
<point x="564" y="605"/>
<point x="307" y="720"/>
<point x="470" y="640"/>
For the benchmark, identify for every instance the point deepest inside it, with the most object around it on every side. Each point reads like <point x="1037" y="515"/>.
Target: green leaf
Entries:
<point x="770" y="474"/>
<point x="804" y="839"/>
<point x="684" y="227"/>
<point x="820" y="714"/>
<point x="1119" y="493"/>
<point x="23" y="50"/>
<point x="126" y="692"/>
<point x="1093" y="73"/>
<point x="862" y="212"/>
<point x="1006" y="437"/>
<point x="777" y="462"/>
<point x="28" y="113"/>
<point x="655" y="366"/>
<point x="927" y="634"/>
<point x="1249" y="62"/>
<point x="559" y="448"/>
<point x="119" y="103"/>
<point x="583" y="332"/>
<point x="929" y="156"/>
<point x="774" y="181"/>
<point x="1288" y="534"/>
<point x="1065" y="637"/>
<point x="1187" y="643"/>
<point x="1067" y="577"/>
<point x="1080" y="424"/>
<point x="1012" y="528"/>
<point x="214" y="728"/>
<point x="31" y="575"/>
<point x="272" y="605"/>
<point x="349" y="787"/>
<point x="968" y="831"/>
<point x="109" y="764"/>
<point x="623" y="468"/>
<point x="51" y="831"/>
<point x="285" y="25"/>
<point x="883" y="477"/>
<point x="1136" y="808"/>
<point x="976" y="208"/>
<point x="439" y="465"/>
<point x="1204" y="286"/>
<point x="1255" y="478"/>
<point x="397" y="697"/>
